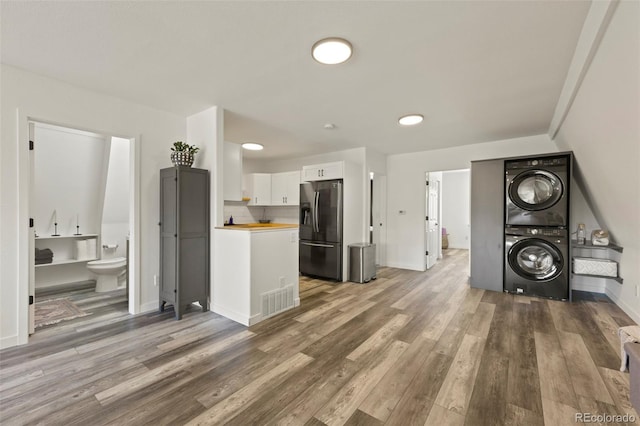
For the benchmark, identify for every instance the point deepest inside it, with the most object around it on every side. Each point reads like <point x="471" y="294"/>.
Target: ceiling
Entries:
<point x="477" y="70"/>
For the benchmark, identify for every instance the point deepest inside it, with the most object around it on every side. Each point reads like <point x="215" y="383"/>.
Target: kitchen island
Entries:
<point x="255" y="271"/>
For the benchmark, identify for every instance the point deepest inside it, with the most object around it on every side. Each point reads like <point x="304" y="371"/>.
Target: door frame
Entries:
<point x="377" y="202"/>
<point x="25" y="233"/>
<point x="426" y="176"/>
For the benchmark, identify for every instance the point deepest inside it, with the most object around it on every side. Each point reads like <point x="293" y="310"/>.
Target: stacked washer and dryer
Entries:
<point x="537" y="239"/>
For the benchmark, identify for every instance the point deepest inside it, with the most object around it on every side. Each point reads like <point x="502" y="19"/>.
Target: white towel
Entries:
<point x="627" y="334"/>
<point x="92" y="252"/>
<point x="81" y="249"/>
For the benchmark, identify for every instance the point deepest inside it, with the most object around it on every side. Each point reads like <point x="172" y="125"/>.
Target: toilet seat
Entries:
<point x="108" y="262"/>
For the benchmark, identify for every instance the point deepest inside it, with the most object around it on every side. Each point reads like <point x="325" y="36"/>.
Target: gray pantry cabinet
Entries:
<point x="184" y="238"/>
<point x="487" y="224"/>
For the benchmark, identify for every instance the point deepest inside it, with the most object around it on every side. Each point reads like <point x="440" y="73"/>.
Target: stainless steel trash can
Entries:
<point x="362" y="262"/>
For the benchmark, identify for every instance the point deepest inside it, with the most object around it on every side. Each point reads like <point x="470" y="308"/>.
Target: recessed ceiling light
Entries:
<point x="329" y="126"/>
<point x="331" y="51"/>
<point x="411" y="119"/>
<point x="252" y="146"/>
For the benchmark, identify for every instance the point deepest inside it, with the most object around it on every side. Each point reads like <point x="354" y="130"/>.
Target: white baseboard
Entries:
<point x="234" y="316"/>
<point x="624" y="306"/>
<point x="150" y="306"/>
<point x="8" y="342"/>
<point x="406" y="266"/>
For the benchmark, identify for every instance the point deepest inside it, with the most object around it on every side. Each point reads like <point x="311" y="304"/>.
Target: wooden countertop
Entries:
<point x="259" y="226"/>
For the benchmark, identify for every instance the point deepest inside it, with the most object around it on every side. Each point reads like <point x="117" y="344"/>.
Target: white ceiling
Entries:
<point x="477" y="70"/>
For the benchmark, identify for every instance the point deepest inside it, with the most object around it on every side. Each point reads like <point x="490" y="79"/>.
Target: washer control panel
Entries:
<point x="536" y="162"/>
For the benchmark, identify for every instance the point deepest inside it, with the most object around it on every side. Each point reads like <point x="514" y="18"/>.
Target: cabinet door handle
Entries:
<point x="318" y="172"/>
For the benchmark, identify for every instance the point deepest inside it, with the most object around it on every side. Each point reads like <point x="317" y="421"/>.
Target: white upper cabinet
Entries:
<point x="259" y="189"/>
<point x="285" y="189"/>
<point x="232" y="172"/>
<point x="325" y="171"/>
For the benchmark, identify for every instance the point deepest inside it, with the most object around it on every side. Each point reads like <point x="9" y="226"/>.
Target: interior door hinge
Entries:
<point x="30" y="145"/>
<point x="426" y="253"/>
<point x="31" y="300"/>
<point x="31" y="222"/>
<point x="427" y="183"/>
<point x="427" y="217"/>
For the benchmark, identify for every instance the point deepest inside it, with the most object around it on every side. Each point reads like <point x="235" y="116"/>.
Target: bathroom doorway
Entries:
<point x="83" y="209"/>
<point x="447" y="213"/>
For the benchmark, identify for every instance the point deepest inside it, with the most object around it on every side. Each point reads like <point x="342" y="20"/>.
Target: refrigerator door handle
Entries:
<point x="318" y="245"/>
<point x="315" y="212"/>
<point x="339" y="209"/>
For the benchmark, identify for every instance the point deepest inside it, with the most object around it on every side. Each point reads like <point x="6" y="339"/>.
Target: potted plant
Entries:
<point x="182" y="153"/>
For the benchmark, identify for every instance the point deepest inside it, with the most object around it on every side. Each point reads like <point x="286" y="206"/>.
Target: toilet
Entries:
<point x="108" y="272"/>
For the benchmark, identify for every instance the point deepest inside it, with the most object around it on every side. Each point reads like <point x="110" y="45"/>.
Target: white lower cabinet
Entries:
<point x="256" y="275"/>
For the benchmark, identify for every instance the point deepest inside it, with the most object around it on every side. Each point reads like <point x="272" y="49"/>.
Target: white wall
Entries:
<point x="405" y="189"/>
<point x="68" y="179"/>
<point x="69" y="171"/>
<point x="43" y="99"/>
<point x="602" y="128"/>
<point x="115" y="213"/>
<point x="456" y="189"/>
<point x="205" y="130"/>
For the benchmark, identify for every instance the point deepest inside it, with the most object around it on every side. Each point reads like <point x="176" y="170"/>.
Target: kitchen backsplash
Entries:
<point x="251" y="214"/>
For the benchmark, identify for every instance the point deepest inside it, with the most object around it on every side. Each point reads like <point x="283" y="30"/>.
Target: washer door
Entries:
<point x="535" y="190"/>
<point x="535" y="259"/>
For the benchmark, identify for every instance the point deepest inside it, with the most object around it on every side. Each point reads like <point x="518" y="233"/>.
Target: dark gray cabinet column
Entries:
<point x="487" y="224"/>
<point x="184" y="238"/>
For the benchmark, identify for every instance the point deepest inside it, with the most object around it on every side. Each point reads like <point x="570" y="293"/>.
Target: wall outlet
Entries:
<point x="155" y="280"/>
<point x="282" y="282"/>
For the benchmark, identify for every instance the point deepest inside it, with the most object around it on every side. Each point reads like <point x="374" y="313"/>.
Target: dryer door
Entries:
<point x="535" y="190"/>
<point x="535" y="259"/>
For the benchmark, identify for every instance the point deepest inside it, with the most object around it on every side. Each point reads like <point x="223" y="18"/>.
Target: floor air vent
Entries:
<point x="276" y="301"/>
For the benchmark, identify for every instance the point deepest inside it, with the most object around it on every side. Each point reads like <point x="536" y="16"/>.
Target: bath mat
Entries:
<point x="53" y="311"/>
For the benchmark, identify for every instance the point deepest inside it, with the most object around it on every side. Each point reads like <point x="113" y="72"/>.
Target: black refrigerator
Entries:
<point x="321" y="229"/>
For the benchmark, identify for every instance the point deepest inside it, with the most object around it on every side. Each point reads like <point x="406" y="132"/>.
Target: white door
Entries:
<point x="32" y="231"/>
<point x="432" y="220"/>
<point x="379" y="223"/>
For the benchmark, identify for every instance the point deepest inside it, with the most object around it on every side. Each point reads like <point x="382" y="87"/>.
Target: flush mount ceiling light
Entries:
<point x="331" y="51"/>
<point x="253" y="146"/>
<point x="411" y="119"/>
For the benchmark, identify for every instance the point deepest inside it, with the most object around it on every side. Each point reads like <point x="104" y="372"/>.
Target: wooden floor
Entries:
<point x="101" y="308"/>
<point x="410" y="348"/>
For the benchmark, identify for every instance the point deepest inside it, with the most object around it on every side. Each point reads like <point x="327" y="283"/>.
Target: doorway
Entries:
<point x="83" y="205"/>
<point x="432" y="218"/>
<point x="447" y="207"/>
<point x="377" y="230"/>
